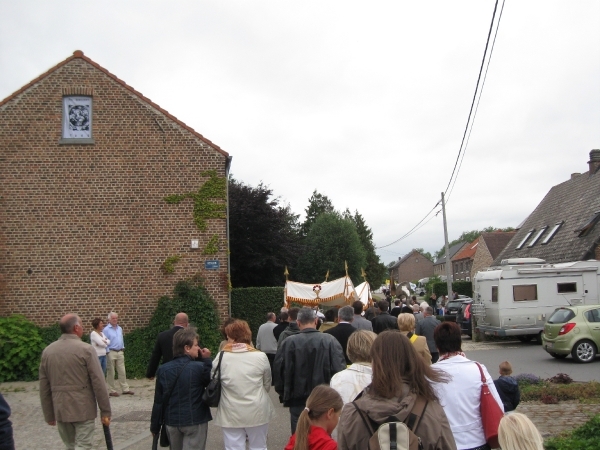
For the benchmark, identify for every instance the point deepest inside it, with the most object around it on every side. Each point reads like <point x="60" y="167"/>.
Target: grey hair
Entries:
<point x="68" y="322"/>
<point x="306" y="315"/>
<point x="346" y="313"/>
<point x="110" y="314"/>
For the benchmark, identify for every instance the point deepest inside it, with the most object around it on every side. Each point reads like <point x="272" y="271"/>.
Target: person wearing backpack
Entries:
<point x="400" y="392"/>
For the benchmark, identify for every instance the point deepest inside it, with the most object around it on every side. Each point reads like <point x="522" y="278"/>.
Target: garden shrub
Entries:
<point x="562" y="392"/>
<point x="460" y="287"/>
<point x="188" y="296"/>
<point x="586" y="437"/>
<point x="252" y="305"/>
<point x="20" y="349"/>
<point x="525" y="379"/>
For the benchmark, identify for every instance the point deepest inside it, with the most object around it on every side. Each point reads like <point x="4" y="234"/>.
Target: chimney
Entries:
<point x="594" y="161"/>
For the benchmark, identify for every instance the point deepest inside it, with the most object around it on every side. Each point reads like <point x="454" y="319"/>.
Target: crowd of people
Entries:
<point x="340" y="376"/>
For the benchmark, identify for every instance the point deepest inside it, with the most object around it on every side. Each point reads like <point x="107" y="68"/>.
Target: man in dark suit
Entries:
<point x="384" y="321"/>
<point x="164" y="345"/>
<point x="344" y="328"/>
<point x="396" y="310"/>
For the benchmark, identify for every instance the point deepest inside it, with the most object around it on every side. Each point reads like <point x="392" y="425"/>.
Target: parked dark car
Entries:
<point x="452" y="307"/>
<point x="464" y="317"/>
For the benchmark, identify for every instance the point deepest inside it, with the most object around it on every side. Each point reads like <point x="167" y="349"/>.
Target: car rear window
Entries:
<point x="454" y="304"/>
<point x="561" y="316"/>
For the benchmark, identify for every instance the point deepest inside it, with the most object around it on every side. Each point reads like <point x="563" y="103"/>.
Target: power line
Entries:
<point x="469" y="122"/>
<point x="478" y="100"/>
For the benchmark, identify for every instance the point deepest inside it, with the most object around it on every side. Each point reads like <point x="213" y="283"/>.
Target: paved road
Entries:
<point x="530" y="358"/>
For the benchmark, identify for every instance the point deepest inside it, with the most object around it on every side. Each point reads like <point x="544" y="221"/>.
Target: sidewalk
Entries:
<point x="131" y="418"/>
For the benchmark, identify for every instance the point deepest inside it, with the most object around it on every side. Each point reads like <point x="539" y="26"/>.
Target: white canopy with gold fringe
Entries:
<point x="338" y="292"/>
<point x="363" y="290"/>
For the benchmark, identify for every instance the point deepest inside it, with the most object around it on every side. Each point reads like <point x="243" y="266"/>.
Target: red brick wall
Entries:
<point x="415" y="267"/>
<point x="85" y="228"/>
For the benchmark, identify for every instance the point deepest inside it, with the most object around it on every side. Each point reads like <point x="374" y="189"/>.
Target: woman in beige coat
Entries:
<point x="406" y="325"/>
<point x="245" y="409"/>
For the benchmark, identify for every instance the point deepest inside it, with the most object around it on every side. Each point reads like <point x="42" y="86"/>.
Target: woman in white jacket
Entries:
<point x="245" y="409"/>
<point x="460" y="398"/>
<point x="99" y="342"/>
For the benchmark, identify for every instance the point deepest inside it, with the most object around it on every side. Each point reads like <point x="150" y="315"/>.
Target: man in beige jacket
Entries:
<point x="71" y="384"/>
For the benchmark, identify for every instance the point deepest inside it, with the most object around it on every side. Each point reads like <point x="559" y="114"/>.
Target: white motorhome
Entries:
<point x="516" y="298"/>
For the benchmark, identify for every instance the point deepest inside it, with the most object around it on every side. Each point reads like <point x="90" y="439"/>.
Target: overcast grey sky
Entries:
<point x="364" y="101"/>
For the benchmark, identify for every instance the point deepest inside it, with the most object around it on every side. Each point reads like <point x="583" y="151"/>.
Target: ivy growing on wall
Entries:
<point x="168" y="266"/>
<point x="215" y="188"/>
<point x="212" y="248"/>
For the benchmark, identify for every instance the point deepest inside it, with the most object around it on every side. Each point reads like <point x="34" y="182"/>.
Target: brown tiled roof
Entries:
<point x="573" y="202"/>
<point x="468" y="252"/>
<point x="497" y="240"/>
<point x="79" y="54"/>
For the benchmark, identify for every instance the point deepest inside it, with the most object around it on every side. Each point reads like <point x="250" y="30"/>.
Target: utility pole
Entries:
<point x="448" y="262"/>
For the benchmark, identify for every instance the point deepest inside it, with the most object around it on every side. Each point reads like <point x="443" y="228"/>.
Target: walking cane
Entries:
<point x="107" y="437"/>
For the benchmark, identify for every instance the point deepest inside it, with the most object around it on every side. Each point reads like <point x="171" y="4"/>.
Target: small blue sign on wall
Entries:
<point x="212" y="264"/>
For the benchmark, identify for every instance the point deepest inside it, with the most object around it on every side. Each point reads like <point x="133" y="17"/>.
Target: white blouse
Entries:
<point x="99" y="342"/>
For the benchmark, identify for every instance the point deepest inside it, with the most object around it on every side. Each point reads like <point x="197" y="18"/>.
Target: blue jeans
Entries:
<point x="103" y="363"/>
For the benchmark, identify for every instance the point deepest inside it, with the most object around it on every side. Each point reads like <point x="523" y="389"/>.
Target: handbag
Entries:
<point x="212" y="393"/>
<point x="490" y="411"/>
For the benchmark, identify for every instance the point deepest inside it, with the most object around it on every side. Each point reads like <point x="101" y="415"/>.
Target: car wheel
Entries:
<point x="525" y="338"/>
<point x="538" y="338"/>
<point x="557" y="356"/>
<point x="584" y="352"/>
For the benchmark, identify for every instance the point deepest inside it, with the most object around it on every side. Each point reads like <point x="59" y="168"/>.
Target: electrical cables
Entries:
<point x="468" y="126"/>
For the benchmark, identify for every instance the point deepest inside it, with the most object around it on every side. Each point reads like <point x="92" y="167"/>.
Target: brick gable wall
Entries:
<point x="414" y="268"/>
<point x="482" y="258"/>
<point x="85" y="228"/>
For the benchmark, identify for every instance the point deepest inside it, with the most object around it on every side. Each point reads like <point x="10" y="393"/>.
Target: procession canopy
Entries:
<point x="338" y="292"/>
<point x="363" y="290"/>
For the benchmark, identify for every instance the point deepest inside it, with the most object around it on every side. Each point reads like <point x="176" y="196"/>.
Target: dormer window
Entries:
<point x="527" y="236"/>
<point x="537" y="236"/>
<point x="552" y="233"/>
<point x="584" y="230"/>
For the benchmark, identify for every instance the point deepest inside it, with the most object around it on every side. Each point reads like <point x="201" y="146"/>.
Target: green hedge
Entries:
<point x="253" y="304"/>
<point x="20" y="349"/>
<point x="188" y="296"/>
<point x="460" y="287"/>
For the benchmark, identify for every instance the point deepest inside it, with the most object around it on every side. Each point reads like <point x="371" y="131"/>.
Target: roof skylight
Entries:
<point x="537" y="236"/>
<point x="527" y="236"/>
<point x="552" y="233"/>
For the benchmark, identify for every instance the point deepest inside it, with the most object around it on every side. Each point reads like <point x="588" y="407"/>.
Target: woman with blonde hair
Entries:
<point x="351" y="381"/>
<point x="517" y="432"/>
<point x="317" y="421"/>
<point x="245" y="409"/>
<point x="406" y="325"/>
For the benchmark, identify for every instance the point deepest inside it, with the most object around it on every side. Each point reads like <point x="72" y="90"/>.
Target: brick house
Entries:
<point x="439" y="266"/>
<point x="102" y="194"/>
<point x="564" y="226"/>
<point x="490" y="246"/>
<point x="463" y="261"/>
<point x="411" y="267"/>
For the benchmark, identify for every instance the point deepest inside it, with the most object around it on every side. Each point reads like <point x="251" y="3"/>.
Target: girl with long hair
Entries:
<point x="317" y="421"/>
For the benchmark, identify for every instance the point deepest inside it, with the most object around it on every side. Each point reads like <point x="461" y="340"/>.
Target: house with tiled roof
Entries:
<point x="106" y="200"/>
<point x="462" y="262"/>
<point x="411" y="267"/>
<point x="489" y="246"/>
<point x="565" y="225"/>
<point x="439" y="266"/>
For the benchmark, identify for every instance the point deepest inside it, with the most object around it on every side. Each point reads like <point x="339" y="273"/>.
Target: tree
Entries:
<point x="263" y="236"/>
<point x="425" y="254"/>
<point x="331" y="240"/>
<point x="317" y="204"/>
<point x="375" y="269"/>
